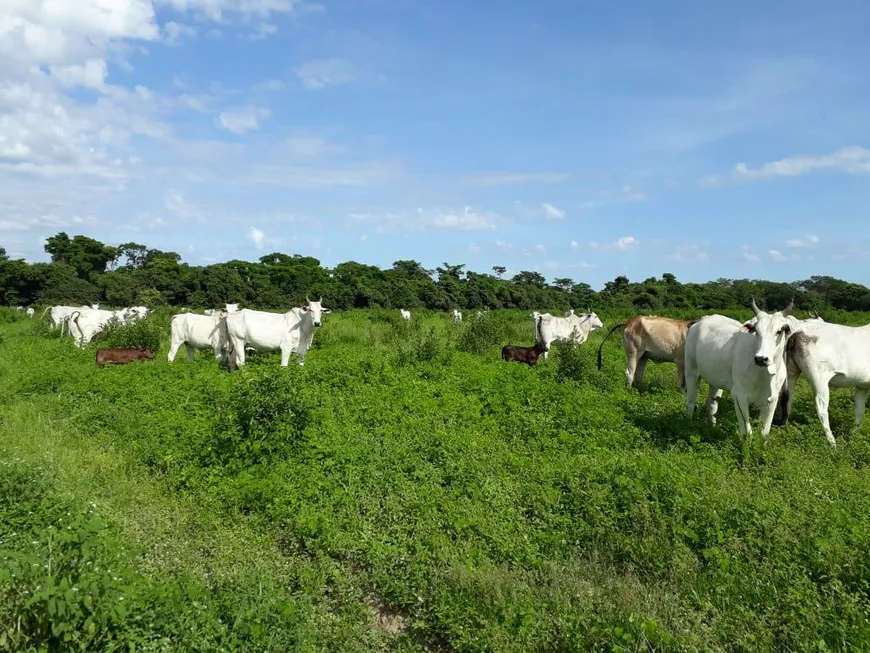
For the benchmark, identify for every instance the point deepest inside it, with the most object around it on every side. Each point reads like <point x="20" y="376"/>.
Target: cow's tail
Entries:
<point x="47" y="309"/>
<point x="538" y="336"/>
<point x="618" y="326"/>
<point x="74" y="316"/>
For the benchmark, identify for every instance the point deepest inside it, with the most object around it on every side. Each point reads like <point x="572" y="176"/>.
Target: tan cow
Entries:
<point x="651" y="338"/>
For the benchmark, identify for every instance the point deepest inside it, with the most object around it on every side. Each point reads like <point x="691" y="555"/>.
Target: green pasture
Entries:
<point x="406" y="490"/>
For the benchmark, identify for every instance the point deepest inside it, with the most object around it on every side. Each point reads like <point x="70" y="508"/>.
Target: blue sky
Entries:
<point x="577" y="139"/>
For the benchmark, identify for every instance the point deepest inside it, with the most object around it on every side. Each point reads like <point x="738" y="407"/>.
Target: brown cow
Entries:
<point x="122" y="355"/>
<point x="527" y="355"/>
<point x="651" y="338"/>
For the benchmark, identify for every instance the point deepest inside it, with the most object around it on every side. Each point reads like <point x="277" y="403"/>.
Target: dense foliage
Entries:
<point x="84" y="270"/>
<point x="407" y="490"/>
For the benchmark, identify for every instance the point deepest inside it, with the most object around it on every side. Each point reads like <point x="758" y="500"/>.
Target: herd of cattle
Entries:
<point x="758" y="361"/>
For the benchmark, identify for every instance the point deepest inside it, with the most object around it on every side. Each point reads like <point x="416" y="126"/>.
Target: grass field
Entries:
<point x="407" y="490"/>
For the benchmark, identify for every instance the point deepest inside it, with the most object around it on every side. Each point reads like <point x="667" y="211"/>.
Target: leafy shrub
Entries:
<point x="570" y="362"/>
<point x="419" y="347"/>
<point x="60" y="587"/>
<point x="143" y="332"/>
<point x="264" y="415"/>
<point x="481" y="334"/>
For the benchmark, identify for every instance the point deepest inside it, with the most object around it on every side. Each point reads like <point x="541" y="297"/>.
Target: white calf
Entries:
<point x="406" y="315"/>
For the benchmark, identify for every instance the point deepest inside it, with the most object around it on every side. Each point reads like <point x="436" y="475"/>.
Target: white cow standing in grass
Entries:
<point x="59" y="314"/>
<point x="196" y="331"/>
<point x="829" y="355"/>
<point x="746" y="359"/>
<point x="457" y="316"/>
<point x="574" y="328"/>
<point x="86" y="323"/>
<point x="30" y="312"/>
<point x="284" y="332"/>
<point x="406" y="315"/>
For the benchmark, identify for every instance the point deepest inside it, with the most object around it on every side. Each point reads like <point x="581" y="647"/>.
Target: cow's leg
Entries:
<point x="768" y="410"/>
<point x="631" y="358"/>
<point x="692" y="380"/>
<point x="741" y="407"/>
<point x="713" y="403"/>
<point x="860" y="403"/>
<point x="786" y="395"/>
<point x="819" y="381"/>
<point x="173" y="349"/>
<point x="285" y="355"/>
<point x="639" y="370"/>
<point x="302" y="350"/>
<point x="681" y="373"/>
<point x="238" y="357"/>
<point x="190" y="352"/>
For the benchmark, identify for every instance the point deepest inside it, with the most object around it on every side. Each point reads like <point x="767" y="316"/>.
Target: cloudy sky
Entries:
<point x="579" y="139"/>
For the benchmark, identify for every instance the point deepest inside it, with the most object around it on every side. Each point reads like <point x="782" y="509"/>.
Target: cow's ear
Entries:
<point x="748" y="328"/>
<point x="326" y="310"/>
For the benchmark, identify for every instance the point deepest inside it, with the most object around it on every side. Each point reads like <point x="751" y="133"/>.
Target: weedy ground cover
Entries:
<point x="408" y="490"/>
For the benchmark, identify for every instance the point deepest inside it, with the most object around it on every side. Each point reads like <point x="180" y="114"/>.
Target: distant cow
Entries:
<point x="457" y="316"/>
<point x="406" y="315"/>
<point x="527" y="355"/>
<point x="30" y="312"/>
<point x="651" y="338"/>
<point x="121" y="355"/>
<point x="574" y="328"/>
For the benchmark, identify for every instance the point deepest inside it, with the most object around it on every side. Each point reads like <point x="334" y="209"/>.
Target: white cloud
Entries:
<point x="473" y="248"/>
<point x="308" y="146"/>
<point x="575" y="244"/>
<point x="691" y="253"/>
<point x="218" y="10"/>
<point x="176" y="204"/>
<point x="540" y="248"/>
<point x="507" y="178"/>
<point x="90" y="74"/>
<point x="335" y="71"/>
<point x="257" y="236"/>
<point x="852" y="159"/>
<point x="504" y="246"/>
<point x="751" y="258"/>
<point x="243" y="119"/>
<point x="776" y="255"/>
<point x="553" y="212"/>
<point x="807" y="241"/>
<point x="174" y="33"/>
<point x="593" y="244"/>
<point x="465" y="220"/>
<point x="626" y="242"/>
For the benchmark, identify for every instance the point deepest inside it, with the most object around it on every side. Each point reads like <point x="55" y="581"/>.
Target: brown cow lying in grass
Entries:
<point x="122" y="355"/>
<point x="527" y="355"/>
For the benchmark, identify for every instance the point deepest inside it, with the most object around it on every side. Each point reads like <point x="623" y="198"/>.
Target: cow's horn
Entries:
<point x="788" y="309"/>
<point x="754" y="307"/>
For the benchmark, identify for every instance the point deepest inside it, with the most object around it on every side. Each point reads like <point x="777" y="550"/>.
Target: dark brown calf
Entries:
<point x="527" y="355"/>
<point x="122" y="355"/>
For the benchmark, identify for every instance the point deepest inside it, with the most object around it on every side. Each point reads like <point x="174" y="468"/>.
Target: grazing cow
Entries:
<point x="405" y="314"/>
<point x="85" y="323"/>
<point x="122" y="355"/>
<point x="829" y="355"/>
<point x="457" y="316"/>
<point x="651" y="338"/>
<point x="747" y="360"/>
<point x="19" y="308"/>
<point x="576" y="328"/>
<point x="30" y="312"/>
<point x="262" y="331"/>
<point x="199" y="332"/>
<point x="58" y="315"/>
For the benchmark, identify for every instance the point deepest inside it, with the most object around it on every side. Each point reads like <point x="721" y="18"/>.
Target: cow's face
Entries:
<point x="595" y="322"/>
<point x="771" y="332"/>
<point x="316" y="310"/>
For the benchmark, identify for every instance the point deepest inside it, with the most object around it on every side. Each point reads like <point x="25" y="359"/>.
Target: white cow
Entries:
<point x="85" y="323"/>
<point x="746" y="359"/>
<point x="58" y="314"/>
<point x="30" y="312"/>
<point x="231" y="308"/>
<point x="263" y="331"/>
<point x="208" y="311"/>
<point x="199" y="332"/>
<point x="457" y="316"/>
<point x="405" y="314"/>
<point x="574" y="328"/>
<point x="19" y="308"/>
<point x="829" y="355"/>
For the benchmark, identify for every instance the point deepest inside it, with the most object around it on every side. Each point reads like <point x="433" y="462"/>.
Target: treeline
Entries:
<point x="84" y="270"/>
